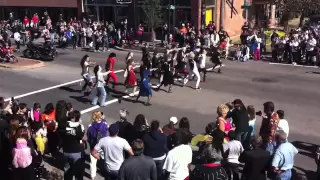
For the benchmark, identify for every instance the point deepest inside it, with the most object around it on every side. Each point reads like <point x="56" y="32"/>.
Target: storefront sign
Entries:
<point x="124" y="1"/>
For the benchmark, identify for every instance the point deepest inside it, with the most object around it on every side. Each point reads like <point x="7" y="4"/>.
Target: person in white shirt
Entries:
<point x="283" y="124"/>
<point x="202" y="63"/>
<point x="193" y="71"/>
<point x="233" y="149"/>
<point x="311" y="54"/>
<point x="179" y="158"/>
<point x="294" y="44"/>
<point x="113" y="147"/>
<point x="99" y="84"/>
<point x="214" y="39"/>
<point x="17" y="38"/>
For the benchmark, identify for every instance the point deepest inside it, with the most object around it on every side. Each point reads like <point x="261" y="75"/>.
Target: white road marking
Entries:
<point x="282" y="64"/>
<point x="106" y="103"/>
<point x="50" y="88"/>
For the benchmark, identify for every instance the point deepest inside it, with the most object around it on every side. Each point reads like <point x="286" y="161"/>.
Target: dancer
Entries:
<point x="129" y="56"/>
<point x="202" y="63"/>
<point x="110" y="67"/>
<point x="215" y="59"/>
<point x="85" y="64"/>
<point x="167" y="79"/>
<point x="145" y="89"/>
<point x="99" y="84"/>
<point x="131" y="80"/>
<point x="193" y="70"/>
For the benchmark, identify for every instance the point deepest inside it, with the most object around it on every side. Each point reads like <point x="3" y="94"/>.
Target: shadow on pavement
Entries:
<point x="307" y="175"/>
<point x="306" y="149"/>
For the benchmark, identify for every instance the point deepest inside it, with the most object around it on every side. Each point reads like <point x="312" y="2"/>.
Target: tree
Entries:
<point x="152" y="11"/>
<point x="301" y="7"/>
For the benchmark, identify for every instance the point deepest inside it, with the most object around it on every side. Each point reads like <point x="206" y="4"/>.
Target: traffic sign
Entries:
<point x="124" y="1"/>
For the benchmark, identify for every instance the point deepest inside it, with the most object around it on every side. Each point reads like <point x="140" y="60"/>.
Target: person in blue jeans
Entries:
<point x="283" y="159"/>
<point x="99" y="85"/>
<point x="72" y="133"/>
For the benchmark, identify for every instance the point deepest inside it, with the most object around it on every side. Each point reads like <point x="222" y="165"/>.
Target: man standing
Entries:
<point x="112" y="147"/>
<point x="283" y="159"/>
<point x="139" y="166"/>
<point x="269" y="126"/>
<point x="255" y="161"/>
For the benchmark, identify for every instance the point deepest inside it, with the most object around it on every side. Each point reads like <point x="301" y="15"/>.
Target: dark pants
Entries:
<point x="75" y="40"/>
<point x="160" y="172"/>
<point x="295" y="57"/>
<point x="18" y="45"/>
<point x="233" y="171"/>
<point x="204" y="71"/>
<point x="24" y="173"/>
<point x="241" y="136"/>
<point x="74" y="166"/>
<point x="110" y="174"/>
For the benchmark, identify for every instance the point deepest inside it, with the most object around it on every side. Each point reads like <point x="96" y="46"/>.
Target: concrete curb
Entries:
<point x="36" y="64"/>
<point x="127" y="50"/>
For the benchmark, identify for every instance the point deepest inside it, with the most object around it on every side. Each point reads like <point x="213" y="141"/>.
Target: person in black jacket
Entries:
<point x="240" y="118"/>
<point x="155" y="143"/>
<point x="72" y="146"/>
<point x="256" y="161"/>
<point x="138" y="166"/>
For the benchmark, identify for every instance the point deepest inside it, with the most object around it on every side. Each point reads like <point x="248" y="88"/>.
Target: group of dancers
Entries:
<point x="177" y="64"/>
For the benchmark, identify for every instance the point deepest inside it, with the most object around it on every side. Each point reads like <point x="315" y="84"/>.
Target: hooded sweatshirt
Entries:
<point x="93" y="130"/>
<point x="155" y="144"/>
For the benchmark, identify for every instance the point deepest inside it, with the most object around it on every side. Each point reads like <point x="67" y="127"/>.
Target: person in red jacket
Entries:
<point x="26" y="21"/>
<point x="35" y="19"/>
<point x="110" y="67"/>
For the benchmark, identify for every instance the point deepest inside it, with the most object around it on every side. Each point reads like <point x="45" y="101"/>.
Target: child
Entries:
<point x="40" y="137"/>
<point x="252" y="119"/>
<point x="238" y="53"/>
<point x="257" y="50"/>
<point x="22" y="157"/>
<point x="34" y="113"/>
<point x="246" y="53"/>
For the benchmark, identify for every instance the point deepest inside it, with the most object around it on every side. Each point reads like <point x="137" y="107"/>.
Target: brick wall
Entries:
<point x="232" y="24"/>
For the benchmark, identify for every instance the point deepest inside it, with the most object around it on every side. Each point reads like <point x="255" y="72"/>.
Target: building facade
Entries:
<point x="198" y="12"/>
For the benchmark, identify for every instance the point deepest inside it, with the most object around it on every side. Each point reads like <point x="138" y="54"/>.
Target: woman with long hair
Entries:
<point x="61" y="111"/>
<point x="85" y="64"/>
<point x="129" y="56"/>
<point x="131" y="80"/>
<point x="99" y="84"/>
<point x="139" y="129"/>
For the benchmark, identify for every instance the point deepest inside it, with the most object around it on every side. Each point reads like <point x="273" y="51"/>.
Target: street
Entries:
<point x="293" y="89"/>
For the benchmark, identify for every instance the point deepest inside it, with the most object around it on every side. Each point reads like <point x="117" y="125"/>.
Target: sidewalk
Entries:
<point x="23" y="63"/>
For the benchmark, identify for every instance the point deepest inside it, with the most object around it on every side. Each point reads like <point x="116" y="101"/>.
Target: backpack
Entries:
<point x="98" y="135"/>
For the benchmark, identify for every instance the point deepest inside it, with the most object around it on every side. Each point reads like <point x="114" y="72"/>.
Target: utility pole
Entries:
<point x="222" y="10"/>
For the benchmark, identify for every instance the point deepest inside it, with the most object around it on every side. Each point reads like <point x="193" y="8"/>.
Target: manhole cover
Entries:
<point x="265" y="80"/>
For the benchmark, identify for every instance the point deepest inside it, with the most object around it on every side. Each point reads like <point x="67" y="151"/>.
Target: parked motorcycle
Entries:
<point x="43" y="51"/>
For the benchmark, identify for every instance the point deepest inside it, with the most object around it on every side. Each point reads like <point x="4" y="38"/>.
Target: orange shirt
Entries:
<point x="50" y="117"/>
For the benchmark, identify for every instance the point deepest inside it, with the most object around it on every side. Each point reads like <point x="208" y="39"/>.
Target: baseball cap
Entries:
<point x="114" y="129"/>
<point x="174" y="120"/>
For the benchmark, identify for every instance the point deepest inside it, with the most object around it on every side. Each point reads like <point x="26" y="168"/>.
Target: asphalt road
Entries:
<point x="293" y="89"/>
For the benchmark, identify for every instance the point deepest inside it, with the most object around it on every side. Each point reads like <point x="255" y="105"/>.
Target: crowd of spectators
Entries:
<point x="139" y="150"/>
